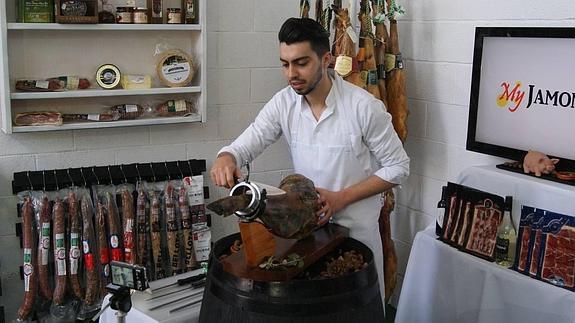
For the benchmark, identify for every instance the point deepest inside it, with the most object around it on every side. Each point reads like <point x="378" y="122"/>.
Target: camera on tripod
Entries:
<point x="129" y="276"/>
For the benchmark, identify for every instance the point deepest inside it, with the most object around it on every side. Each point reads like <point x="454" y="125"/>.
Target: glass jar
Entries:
<point x="174" y="15"/>
<point x="140" y="15"/>
<point x="124" y="15"/>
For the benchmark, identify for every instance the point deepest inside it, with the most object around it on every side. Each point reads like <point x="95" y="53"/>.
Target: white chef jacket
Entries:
<point x="354" y="133"/>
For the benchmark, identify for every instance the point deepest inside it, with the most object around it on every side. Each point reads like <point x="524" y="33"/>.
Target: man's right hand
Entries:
<point x="225" y="171"/>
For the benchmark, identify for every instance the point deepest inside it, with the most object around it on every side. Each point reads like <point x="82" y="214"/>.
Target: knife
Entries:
<point x="195" y="284"/>
<point x="184" y="281"/>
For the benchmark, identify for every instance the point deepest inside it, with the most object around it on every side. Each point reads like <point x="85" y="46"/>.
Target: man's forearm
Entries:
<point x="370" y="186"/>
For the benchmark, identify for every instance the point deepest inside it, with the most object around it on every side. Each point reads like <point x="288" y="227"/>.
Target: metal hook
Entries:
<point x="167" y="171"/>
<point x="124" y="174"/>
<point x="138" y="171"/>
<point x="190" y="168"/>
<point x="179" y="169"/>
<point x="153" y="174"/>
<point x="56" y="180"/>
<point x="44" y="180"/>
<point x="110" y="175"/>
<point x="29" y="180"/>
<point x="70" y="177"/>
<point x="83" y="177"/>
<point x="94" y="172"/>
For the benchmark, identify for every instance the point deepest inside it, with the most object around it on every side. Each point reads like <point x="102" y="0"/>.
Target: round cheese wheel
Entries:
<point x="108" y="76"/>
<point x="175" y="68"/>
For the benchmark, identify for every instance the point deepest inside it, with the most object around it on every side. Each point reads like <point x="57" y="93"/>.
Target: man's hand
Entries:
<point x="330" y="203"/>
<point x="225" y="171"/>
<point x="538" y="163"/>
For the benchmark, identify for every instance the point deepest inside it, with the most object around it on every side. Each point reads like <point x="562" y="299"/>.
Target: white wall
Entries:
<point x="243" y="73"/>
<point x="436" y="38"/>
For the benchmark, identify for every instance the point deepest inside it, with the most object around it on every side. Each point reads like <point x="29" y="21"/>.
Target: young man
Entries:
<point x="335" y="131"/>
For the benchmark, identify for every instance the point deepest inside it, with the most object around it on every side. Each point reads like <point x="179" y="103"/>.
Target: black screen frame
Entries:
<point x="481" y="33"/>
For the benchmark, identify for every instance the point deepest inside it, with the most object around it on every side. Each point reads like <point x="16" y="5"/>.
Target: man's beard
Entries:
<point x="309" y="89"/>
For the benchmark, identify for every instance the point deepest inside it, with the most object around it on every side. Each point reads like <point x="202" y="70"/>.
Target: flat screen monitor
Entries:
<point x="523" y="93"/>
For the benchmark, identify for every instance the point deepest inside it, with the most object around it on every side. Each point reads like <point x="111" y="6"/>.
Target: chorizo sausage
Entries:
<point x="172" y="229"/>
<point x="128" y="225"/>
<point x="74" y="252"/>
<point x="59" y="234"/>
<point x="102" y="247"/>
<point x="88" y="240"/>
<point x="30" y="283"/>
<point x="43" y="249"/>
<point x="187" y="229"/>
<point x="142" y="232"/>
<point x="156" y="236"/>
<point x="114" y="229"/>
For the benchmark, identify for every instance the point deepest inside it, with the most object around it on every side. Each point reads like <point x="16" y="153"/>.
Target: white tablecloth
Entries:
<point x="443" y="284"/>
<point x="140" y="312"/>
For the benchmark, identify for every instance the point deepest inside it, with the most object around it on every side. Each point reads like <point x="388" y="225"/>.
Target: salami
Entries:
<point x="128" y="225"/>
<point x="74" y="252"/>
<point x="187" y="229"/>
<point x="175" y="108"/>
<point x="29" y="263"/>
<point x="172" y="229"/>
<point x="88" y="244"/>
<point x="59" y="234"/>
<point x="44" y="248"/>
<point x="142" y="232"/>
<point x="102" y="117"/>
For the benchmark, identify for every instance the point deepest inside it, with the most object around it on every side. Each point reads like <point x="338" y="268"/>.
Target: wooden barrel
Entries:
<point x="352" y="298"/>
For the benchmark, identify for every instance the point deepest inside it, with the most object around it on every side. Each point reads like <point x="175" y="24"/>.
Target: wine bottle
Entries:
<point x="506" y="237"/>
<point x="441" y="207"/>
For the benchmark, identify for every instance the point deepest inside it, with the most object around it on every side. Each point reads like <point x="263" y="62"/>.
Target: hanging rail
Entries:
<point x="50" y="180"/>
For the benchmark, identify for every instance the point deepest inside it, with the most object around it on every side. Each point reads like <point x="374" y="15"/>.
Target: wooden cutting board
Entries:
<point x="312" y="248"/>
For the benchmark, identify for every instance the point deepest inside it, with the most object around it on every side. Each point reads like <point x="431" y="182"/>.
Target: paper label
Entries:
<point x="42" y="84"/>
<point x="28" y="269"/>
<point x="343" y="65"/>
<point x="114" y="243"/>
<point x="177" y="70"/>
<point x="177" y="105"/>
<point x="45" y="246"/>
<point x="202" y="240"/>
<point x="351" y="32"/>
<point x="60" y="255"/>
<point x="94" y="117"/>
<point x="131" y="108"/>
<point x="195" y="189"/>
<point x="74" y="252"/>
<point x="89" y="261"/>
<point x="72" y="82"/>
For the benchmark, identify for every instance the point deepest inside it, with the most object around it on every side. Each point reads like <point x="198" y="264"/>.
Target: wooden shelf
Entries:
<point x="90" y="93"/>
<point x="113" y="124"/>
<point x="54" y="26"/>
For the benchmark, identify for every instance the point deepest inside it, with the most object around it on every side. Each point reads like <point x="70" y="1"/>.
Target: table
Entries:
<point x="141" y="313"/>
<point x="443" y="284"/>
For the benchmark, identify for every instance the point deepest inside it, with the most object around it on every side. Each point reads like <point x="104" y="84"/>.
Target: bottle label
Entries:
<point x="501" y="249"/>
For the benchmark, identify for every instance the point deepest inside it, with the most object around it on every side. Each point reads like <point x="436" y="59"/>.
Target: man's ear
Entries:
<point x="326" y="60"/>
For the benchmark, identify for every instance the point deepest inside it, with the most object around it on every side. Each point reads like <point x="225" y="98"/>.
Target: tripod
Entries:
<point x="120" y="301"/>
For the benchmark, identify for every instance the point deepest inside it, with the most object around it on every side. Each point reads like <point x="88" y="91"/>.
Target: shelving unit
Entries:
<point x="43" y="50"/>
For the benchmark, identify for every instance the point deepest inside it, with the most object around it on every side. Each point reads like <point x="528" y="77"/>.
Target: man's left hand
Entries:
<point x="330" y="203"/>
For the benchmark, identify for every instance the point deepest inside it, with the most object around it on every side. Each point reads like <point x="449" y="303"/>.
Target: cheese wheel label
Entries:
<point x="176" y="69"/>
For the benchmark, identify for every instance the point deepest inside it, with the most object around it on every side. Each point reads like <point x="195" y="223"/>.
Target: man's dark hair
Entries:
<point x="297" y="30"/>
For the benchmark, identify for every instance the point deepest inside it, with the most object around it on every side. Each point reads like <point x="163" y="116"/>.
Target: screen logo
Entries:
<point x="511" y="97"/>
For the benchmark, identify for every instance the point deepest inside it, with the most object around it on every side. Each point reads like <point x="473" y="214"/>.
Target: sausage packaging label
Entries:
<point x="45" y="246"/>
<point x="195" y="189"/>
<point x="74" y="252"/>
<point x="28" y="269"/>
<point x="202" y="241"/>
<point x="60" y="255"/>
